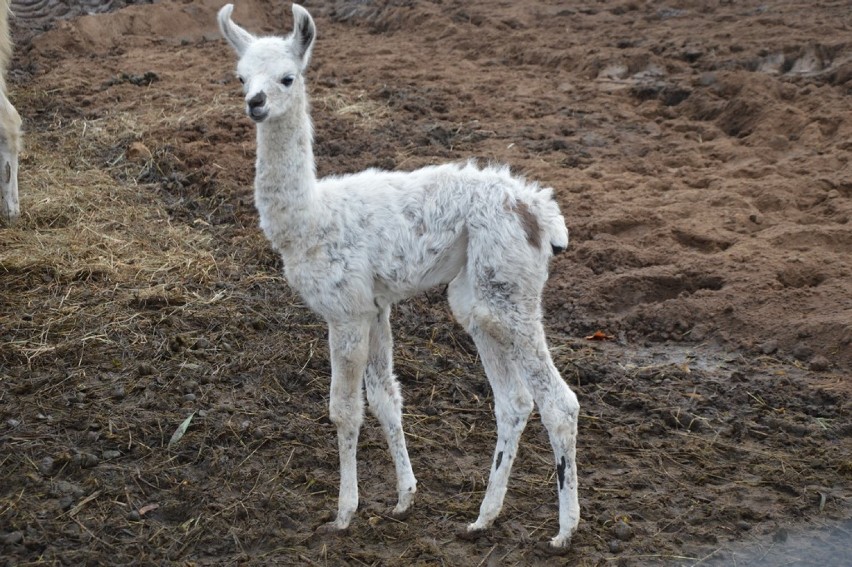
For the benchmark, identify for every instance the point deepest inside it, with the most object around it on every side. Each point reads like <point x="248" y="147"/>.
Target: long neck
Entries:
<point x="285" y="177"/>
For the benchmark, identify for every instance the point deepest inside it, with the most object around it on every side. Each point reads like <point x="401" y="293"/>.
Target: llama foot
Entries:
<point x="558" y="545"/>
<point x="472" y="532"/>
<point x="332" y="529"/>
<point x="402" y="510"/>
<point x="398" y="514"/>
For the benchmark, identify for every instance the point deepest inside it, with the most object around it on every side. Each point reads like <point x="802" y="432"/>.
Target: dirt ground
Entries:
<point x="700" y="151"/>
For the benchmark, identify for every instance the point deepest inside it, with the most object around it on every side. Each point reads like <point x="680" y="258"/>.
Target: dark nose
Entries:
<point x="255" y="103"/>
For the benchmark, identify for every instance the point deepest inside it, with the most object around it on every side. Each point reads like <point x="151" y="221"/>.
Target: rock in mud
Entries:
<point x="85" y="460"/>
<point x="622" y="531"/>
<point x="769" y="347"/>
<point x="13" y="538"/>
<point x="819" y="363"/>
<point x="45" y="466"/>
<point x="802" y="352"/>
<point x="145" y="369"/>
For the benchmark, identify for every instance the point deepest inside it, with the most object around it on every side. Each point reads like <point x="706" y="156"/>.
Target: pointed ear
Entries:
<point x="239" y="38"/>
<point x="304" y="33"/>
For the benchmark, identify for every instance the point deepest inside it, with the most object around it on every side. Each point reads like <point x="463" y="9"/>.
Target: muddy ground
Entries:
<point x="700" y="151"/>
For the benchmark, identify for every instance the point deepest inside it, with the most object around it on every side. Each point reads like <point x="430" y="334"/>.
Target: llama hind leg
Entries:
<point x="385" y="402"/>
<point x="348" y="345"/>
<point x="512" y="406"/>
<point x="559" y="411"/>
<point x="512" y="401"/>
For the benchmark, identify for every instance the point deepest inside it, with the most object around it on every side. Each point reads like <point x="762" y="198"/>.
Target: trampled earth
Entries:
<point x="700" y="151"/>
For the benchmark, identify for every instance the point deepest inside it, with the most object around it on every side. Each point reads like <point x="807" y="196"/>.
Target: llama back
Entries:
<point x="456" y="188"/>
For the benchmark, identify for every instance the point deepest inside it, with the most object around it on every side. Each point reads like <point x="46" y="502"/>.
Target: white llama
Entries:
<point x="353" y="245"/>
<point x="10" y="128"/>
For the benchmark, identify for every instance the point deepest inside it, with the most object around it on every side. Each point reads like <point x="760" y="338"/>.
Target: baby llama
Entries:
<point x="353" y="245"/>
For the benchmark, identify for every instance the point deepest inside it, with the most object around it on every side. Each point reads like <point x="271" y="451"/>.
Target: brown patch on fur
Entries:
<point x="530" y="224"/>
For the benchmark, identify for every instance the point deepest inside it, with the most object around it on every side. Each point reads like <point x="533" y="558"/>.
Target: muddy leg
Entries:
<point x="512" y="406"/>
<point x="348" y="345"/>
<point x="385" y="402"/>
<point x="559" y="410"/>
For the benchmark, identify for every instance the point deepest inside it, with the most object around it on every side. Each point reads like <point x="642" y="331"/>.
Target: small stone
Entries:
<point x="819" y="363"/>
<point x="138" y="150"/>
<point x="111" y="454"/>
<point x="65" y="487"/>
<point x="13" y="538"/>
<point x="45" y="466"/>
<point x="66" y="502"/>
<point x="769" y="347"/>
<point x="802" y="352"/>
<point x="614" y="546"/>
<point x="134" y="516"/>
<point x="13" y="423"/>
<point x="118" y="392"/>
<point x="189" y="397"/>
<point x="202" y="344"/>
<point x="145" y="369"/>
<point x="622" y="531"/>
<point x="85" y="460"/>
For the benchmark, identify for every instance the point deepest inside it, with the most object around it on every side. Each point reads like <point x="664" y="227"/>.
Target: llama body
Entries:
<point x="353" y="245"/>
<point x="379" y="237"/>
<point x="10" y="128"/>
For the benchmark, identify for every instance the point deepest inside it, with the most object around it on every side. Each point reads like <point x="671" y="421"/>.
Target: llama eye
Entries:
<point x="288" y="80"/>
<point x="242" y="81"/>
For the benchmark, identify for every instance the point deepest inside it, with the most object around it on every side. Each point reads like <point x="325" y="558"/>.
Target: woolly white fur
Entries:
<point x="353" y="245"/>
<point x="10" y="129"/>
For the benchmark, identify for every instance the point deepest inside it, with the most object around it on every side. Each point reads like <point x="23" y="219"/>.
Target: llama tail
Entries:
<point x="551" y="220"/>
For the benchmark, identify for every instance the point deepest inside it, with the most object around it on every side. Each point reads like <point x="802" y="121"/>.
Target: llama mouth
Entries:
<point x="258" y="114"/>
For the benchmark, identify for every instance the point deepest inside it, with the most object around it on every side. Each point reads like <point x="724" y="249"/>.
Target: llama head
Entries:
<point x="271" y="69"/>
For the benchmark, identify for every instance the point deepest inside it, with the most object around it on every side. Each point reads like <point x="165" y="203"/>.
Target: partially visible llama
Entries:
<point x="353" y="245"/>
<point x="10" y="128"/>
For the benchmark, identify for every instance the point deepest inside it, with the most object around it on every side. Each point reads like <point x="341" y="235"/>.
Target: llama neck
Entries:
<point x="285" y="178"/>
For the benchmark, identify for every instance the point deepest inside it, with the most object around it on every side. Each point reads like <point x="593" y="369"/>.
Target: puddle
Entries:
<point x="828" y="546"/>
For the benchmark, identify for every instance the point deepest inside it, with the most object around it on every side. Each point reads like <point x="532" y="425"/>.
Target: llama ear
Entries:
<point x="239" y="38"/>
<point x="304" y="33"/>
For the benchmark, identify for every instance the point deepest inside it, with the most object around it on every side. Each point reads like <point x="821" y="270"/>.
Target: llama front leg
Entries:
<point x="348" y="345"/>
<point x="385" y="402"/>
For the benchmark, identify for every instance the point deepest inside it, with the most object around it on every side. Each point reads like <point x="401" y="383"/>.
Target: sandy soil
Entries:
<point x="700" y="151"/>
